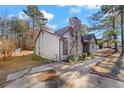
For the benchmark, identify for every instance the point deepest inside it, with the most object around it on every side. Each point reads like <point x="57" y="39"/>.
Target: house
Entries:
<point x="56" y="45"/>
<point x="89" y="43"/>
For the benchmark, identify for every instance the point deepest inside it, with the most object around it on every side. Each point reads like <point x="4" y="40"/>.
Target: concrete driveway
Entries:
<point x="63" y="75"/>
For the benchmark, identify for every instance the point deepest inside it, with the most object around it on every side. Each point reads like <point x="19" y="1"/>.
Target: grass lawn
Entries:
<point x="112" y="66"/>
<point x="20" y="62"/>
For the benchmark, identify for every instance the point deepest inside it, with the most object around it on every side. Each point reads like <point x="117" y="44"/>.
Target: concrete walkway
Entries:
<point x="37" y="69"/>
<point x="16" y="75"/>
<point x="66" y="76"/>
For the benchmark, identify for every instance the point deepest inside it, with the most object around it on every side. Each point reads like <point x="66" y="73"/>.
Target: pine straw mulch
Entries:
<point x="105" y="52"/>
<point x="111" y="67"/>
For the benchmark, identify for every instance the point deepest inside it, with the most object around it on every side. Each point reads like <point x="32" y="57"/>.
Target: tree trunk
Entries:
<point x="122" y="38"/>
<point x="107" y="44"/>
<point x="115" y="39"/>
<point x="33" y="23"/>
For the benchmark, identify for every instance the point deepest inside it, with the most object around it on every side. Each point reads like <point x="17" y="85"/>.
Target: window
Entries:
<point x="65" y="47"/>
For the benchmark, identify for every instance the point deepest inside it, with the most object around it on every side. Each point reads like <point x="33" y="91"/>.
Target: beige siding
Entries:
<point x="93" y="46"/>
<point x="49" y="46"/>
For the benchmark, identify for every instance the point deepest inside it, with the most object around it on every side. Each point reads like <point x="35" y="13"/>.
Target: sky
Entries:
<point x="57" y="15"/>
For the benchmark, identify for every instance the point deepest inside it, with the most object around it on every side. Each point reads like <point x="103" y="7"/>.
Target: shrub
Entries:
<point x="73" y="59"/>
<point x="80" y="57"/>
<point x="97" y="54"/>
<point x="89" y="53"/>
<point x="84" y="56"/>
<point x="7" y="47"/>
<point x="92" y="56"/>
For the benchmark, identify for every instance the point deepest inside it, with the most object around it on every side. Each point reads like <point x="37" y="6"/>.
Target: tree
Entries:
<point x="100" y="43"/>
<point x="122" y="33"/>
<point x="37" y="20"/>
<point x="4" y="25"/>
<point x="84" y="29"/>
<point x="36" y="16"/>
<point x="108" y="37"/>
<point x="19" y="27"/>
<point x="116" y="12"/>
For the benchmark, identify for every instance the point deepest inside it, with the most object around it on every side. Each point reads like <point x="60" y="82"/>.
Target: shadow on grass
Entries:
<point x="107" y="53"/>
<point x="116" y="69"/>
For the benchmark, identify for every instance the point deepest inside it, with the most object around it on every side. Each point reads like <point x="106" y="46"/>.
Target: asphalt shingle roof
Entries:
<point x="88" y="37"/>
<point x="62" y="31"/>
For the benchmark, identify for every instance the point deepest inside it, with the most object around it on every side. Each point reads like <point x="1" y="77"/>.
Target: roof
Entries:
<point x="62" y="31"/>
<point x="46" y="30"/>
<point x="88" y="37"/>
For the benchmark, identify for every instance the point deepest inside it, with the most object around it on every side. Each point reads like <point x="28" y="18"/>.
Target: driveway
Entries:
<point x="63" y="75"/>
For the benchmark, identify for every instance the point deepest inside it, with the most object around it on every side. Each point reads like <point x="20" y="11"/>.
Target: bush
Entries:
<point x="89" y="54"/>
<point x="7" y="47"/>
<point x="73" y="59"/>
<point x="97" y="54"/>
<point x="92" y="56"/>
<point x="84" y="56"/>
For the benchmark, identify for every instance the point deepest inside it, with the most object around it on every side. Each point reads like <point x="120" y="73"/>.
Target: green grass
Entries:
<point x="40" y="59"/>
<point x="122" y="68"/>
<point x="18" y="63"/>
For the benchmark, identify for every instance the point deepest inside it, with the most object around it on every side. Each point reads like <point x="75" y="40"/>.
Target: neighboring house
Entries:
<point x="56" y="45"/>
<point x="119" y="44"/>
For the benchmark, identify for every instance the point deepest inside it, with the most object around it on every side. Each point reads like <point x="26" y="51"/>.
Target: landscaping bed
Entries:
<point x="112" y="67"/>
<point x="105" y="52"/>
<point x="82" y="58"/>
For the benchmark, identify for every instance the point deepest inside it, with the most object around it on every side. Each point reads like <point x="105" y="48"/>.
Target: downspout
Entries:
<point x="59" y="50"/>
<point x="39" y="46"/>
